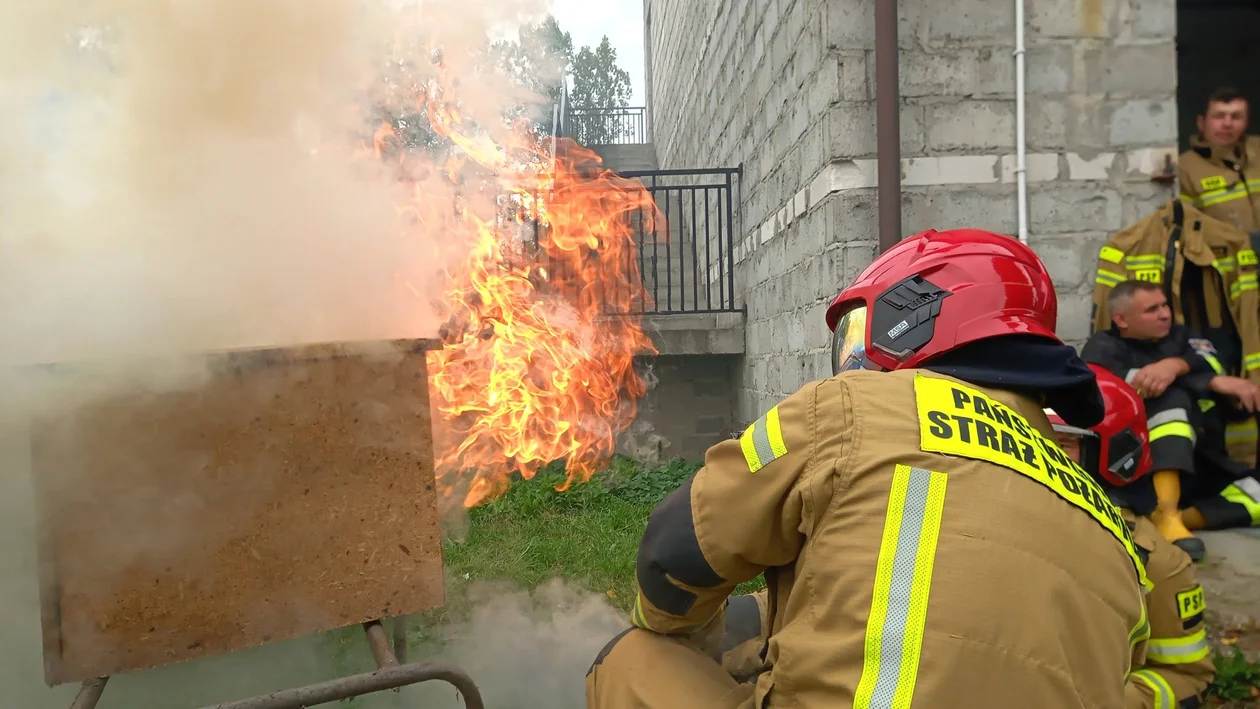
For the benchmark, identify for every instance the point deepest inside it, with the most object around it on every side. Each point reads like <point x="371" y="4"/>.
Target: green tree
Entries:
<point x="537" y="60"/>
<point x="599" y="83"/>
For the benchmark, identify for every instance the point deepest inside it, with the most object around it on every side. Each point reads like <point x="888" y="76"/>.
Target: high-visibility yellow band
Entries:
<point x="1178" y="651"/>
<point x="1164" y="696"/>
<point x="1242" y="431"/>
<point x="903" y="579"/>
<point x="762" y="443"/>
<point x="1111" y="279"/>
<point x="1245" y="492"/>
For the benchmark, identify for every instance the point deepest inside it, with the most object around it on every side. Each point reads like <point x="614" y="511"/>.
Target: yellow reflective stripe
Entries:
<point x="636" y="613"/>
<point x="1246" y="257"/>
<point x="1251" y="361"/>
<point x="1246" y="281"/>
<point x="1213" y="197"/>
<point x="1242" y="431"/>
<point x="1245" y="492"/>
<point x="1164" y="696"/>
<point x="1173" y="422"/>
<point x="1178" y="651"/>
<point x="1107" y="278"/>
<point x="1223" y="265"/>
<point x="1111" y="254"/>
<point x="762" y="442"/>
<point x="1191" y="199"/>
<point x="1141" y="631"/>
<point x="1205" y="405"/>
<point x="903" y="579"/>
<point x="1146" y="261"/>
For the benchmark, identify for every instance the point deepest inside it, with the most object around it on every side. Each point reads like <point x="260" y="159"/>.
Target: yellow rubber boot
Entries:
<point x="1168" y="518"/>
<point x="1193" y="518"/>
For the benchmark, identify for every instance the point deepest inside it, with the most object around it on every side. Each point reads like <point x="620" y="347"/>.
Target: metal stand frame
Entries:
<point x="393" y="672"/>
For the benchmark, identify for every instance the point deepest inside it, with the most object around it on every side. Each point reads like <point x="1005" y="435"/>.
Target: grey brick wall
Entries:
<point x="786" y="87"/>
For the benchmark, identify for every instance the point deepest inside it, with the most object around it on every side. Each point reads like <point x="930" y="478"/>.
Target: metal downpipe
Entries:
<point x="888" y="123"/>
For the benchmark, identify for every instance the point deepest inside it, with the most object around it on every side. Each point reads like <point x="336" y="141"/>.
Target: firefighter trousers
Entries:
<point x="643" y="670"/>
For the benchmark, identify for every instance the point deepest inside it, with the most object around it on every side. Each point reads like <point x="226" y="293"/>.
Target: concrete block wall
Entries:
<point x="689" y="407"/>
<point x="786" y="87"/>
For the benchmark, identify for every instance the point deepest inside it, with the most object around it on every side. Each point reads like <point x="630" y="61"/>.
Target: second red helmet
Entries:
<point x="936" y="291"/>
<point x="1117" y="449"/>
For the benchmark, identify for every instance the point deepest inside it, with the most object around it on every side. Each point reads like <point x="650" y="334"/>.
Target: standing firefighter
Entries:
<point x="1178" y="665"/>
<point x="1220" y="173"/>
<point x="1115" y="452"/>
<point x="925" y="542"/>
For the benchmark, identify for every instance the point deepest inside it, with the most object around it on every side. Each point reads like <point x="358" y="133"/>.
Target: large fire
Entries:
<point x="538" y="357"/>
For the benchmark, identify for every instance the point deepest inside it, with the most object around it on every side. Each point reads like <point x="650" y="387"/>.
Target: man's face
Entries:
<point x="1145" y="317"/>
<point x="1224" y="123"/>
<point x="1070" y="443"/>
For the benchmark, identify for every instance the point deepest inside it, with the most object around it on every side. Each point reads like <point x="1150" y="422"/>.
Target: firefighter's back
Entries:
<point x="936" y="577"/>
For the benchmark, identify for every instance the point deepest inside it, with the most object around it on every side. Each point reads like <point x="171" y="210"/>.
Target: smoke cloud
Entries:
<point x="183" y="176"/>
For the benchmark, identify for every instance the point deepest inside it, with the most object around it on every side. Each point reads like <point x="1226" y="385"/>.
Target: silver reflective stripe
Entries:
<point x="1177" y="651"/>
<point x="761" y="441"/>
<point x="903" y="577"/>
<point x="1164" y="698"/>
<point x="1249" y="486"/>
<point x="1169" y="416"/>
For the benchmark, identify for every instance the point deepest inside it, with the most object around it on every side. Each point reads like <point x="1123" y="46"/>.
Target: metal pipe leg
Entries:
<point x="90" y="693"/>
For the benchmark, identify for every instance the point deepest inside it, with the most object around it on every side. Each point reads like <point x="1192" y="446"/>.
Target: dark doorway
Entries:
<point x="1218" y="42"/>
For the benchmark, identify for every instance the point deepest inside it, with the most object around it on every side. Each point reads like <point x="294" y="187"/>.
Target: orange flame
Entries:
<point x="538" y="357"/>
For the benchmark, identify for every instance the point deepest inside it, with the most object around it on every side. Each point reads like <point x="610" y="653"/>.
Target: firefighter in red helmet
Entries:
<point x="924" y="540"/>
<point x="1178" y="666"/>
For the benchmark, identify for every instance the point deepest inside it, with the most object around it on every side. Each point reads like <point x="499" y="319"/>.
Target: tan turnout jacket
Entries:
<point x="926" y="544"/>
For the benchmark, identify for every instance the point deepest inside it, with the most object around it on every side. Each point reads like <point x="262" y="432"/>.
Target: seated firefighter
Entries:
<point x="924" y="540"/>
<point x="1180" y="380"/>
<point x="1115" y="452"/>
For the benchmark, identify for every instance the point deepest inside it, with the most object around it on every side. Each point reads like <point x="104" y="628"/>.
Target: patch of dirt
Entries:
<point x="1232" y="590"/>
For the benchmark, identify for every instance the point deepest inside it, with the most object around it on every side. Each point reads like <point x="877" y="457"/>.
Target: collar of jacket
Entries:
<point x="1232" y="155"/>
<point x="1041" y="369"/>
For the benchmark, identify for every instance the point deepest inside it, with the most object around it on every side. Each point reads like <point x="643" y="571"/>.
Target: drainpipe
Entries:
<point x="1021" y="148"/>
<point x="888" y="124"/>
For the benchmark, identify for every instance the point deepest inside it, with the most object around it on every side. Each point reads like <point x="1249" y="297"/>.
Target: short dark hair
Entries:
<point x="1120" y="295"/>
<point x="1223" y="94"/>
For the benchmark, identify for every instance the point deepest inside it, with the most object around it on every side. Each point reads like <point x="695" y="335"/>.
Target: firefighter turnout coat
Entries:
<point x="1178" y="666"/>
<point x="1223" y="181"/>
<point x="925" y="544"/>
<point x="1208" y="269"/>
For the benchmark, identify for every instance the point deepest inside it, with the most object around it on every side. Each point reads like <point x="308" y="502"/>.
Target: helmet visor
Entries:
<point x="848" y="342"/>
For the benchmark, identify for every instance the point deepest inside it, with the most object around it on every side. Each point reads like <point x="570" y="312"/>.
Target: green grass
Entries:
<point x="588" y="534"/>
<point x="1236" y="677"/>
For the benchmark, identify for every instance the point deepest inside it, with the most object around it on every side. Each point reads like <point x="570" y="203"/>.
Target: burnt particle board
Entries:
<point x="291" y="493"/>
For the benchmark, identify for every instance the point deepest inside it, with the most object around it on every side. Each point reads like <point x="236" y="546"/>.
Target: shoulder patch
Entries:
<point x="1190" y="606"/>
<point x="762" y="442"/>
<point x="1202" y="346"/>
<point x="1111" y="254"/>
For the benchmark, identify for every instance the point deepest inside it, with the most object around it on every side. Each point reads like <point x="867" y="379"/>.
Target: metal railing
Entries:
<point x="617" y="125"/>
<point x="688" y="257"/>
<point x="681" y="258"/>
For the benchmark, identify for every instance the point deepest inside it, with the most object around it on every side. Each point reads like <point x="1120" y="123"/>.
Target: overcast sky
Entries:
<point x="587" y="21"/>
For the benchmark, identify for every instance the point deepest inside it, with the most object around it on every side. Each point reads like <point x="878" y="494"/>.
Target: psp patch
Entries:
<point x="1190" y="607"/>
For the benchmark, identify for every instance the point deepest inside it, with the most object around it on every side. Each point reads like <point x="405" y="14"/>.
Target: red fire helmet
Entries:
<point x="936" y="291"/>
<point x="1117" y="449"/>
